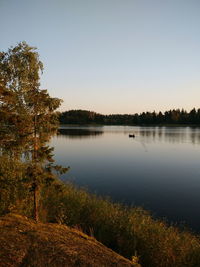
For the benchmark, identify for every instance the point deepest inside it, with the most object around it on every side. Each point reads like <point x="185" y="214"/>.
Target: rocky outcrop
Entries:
<point x="25" y="243"/>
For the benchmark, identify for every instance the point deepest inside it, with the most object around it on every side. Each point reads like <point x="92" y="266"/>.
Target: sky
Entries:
<point x="111" y="56"/>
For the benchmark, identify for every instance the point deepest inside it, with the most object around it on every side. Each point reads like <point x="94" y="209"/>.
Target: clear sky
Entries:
<point x="112" y="56"/>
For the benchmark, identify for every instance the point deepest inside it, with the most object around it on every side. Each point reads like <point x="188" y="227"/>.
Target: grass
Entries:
<point x="128" y="231"/>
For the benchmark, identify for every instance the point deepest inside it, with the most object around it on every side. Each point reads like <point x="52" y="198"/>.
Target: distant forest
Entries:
<point x="175" y="116"/>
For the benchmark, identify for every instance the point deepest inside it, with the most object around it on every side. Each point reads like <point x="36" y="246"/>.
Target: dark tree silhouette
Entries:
<point x="175" y="116"/>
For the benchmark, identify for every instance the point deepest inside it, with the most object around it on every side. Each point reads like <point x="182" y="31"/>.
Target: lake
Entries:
<point x="159" y="169"/>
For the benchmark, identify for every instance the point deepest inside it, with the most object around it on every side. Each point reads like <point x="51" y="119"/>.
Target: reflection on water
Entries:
<point x="158" y="169"/>
<point x="173" y="135"/>
<point x="79" y="132"/>
<point x="165" y="134"/>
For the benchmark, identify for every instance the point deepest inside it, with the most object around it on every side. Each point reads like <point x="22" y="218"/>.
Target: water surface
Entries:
<point x="159" y="169"/>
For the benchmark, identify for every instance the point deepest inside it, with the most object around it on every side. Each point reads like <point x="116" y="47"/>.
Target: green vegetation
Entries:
<point x="128" y="231"/>
<point x="27" y="121"/>
<point x="171" y="117"/>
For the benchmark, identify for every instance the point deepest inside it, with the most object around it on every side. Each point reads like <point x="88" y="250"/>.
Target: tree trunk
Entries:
<point x="35" y="186"/>
<point x="35" y="208"/>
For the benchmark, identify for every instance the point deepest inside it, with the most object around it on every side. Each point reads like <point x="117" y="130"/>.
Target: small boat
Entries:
<point x="131" y="135"/>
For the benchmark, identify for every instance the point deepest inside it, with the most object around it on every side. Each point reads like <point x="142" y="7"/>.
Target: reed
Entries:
<point x="128" y="231"/>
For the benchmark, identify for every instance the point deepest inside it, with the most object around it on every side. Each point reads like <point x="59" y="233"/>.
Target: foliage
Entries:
<point x="81" y="117"/>
<point x="175" y="116"/>
<point x="129" y="231"/>
<point x="27" y="116"/>
<point x="14" y="193"/>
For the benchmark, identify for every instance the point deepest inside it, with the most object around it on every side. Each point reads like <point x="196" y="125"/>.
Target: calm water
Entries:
<point x="159" y="169"/>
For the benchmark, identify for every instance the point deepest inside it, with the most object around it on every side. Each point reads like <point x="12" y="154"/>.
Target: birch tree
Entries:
<point x="28" y="116"/>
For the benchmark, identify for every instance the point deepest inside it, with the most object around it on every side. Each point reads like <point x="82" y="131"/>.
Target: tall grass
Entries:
<point x="128" y="231"/>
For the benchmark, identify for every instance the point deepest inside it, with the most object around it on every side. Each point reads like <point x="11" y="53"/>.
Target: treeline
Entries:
<point x="175" y="116"/>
